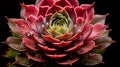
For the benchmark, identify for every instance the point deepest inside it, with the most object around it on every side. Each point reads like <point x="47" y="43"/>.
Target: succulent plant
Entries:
<point x="61" y="31"/>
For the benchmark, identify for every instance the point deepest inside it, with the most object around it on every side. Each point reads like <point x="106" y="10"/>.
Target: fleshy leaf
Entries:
<point x="23" y="27"/>
<point x="99" y="19"/>
<point x="90" y="11"/>
<point x="63" y="3"/>
<point x="92" y="59"/>
<point x="12" y="25"/>
<point x="15" y="43"/>
<point x="22" y="60"/>
<point x="86" y="31"/>
<point x="11" y="53"/>
<point x="71" y="12"/>
<point x="28" y="10"/>
<point x="62" y="43"/>
<point x="97" y="31"/>
<point x="56" y="56"/>
<point x="30" y="44"/>
<point x="86" y="47"/>
<point x="75" y="47"/>
<point x="54" y="9"/>
<point x="45" y="2"/>
<point x="80" y="12"/>
<point x="68" y="61"/>
<point x="32" y="22"/>
<point x="43" y="10"/>
<point x="46" y="48"/>
<point x="104" y="42"/>
<point x="39" y="57"/>
<point x="50" y="39"/>
<point x="74" y="3"/>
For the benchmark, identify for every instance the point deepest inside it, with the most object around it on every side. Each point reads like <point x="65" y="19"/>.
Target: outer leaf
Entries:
<point x="15" y="43"/>
<point x="99" y="19"/>
<point x="63" y="3"/>
<point x="97" y="31"/>
<point x="104" y="42"/>
<point x="45" y="2"/>
<point x="22" y="60"/>
<point x="29" y="43"/>
<point x="23" y="27"/>
<point x="92" y="59"/>
<point x="11" y="53"/>
<point x="86" y="47"/>
<point x="28" y="10"/>
<point x="12" y="25"/>
<point x="74" y="3"/>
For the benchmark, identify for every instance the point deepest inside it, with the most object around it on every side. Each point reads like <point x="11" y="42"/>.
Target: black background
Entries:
<point x="11" y="8"/>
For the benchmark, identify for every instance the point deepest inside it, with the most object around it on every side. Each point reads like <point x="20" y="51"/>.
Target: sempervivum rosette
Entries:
<point x="59" y="31"/>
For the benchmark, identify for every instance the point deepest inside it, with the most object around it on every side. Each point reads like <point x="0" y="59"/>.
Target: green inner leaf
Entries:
<point x="59" y="24"/>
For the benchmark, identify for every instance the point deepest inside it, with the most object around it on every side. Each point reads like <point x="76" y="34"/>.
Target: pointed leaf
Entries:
<point x="15" y="43"/>
<point x="90" y="11"/>
<point x="46" y="48"/>
<point x="28" y="10"/>
<point x="12" y="25"/>
<point x="71" y="12"/>
<point x="22" y="60"/>
<point x="92" y="59"/>
<point x="75" y="47"/>
<point x="50" y="39"/>
<point x="74" y="3"/>
<point x="97" y="31"/>
<point x="68" y="62"/>
<point x="86" y="47"/>
<point x="62" y="43"/>
<point x="30" y="44"/>
<point x="99" y="19"/>
<point x="39" y="57"/>
<point x="63" y="3"/>
<point x="32" y="22"/>
<point x="23" y="27"/>
<point x="43" y="10"/>
<point x="45" y="2"/>
<point x="104" y="42"/>
<point x="53" y="9"/>
<point x="56" y="56"/>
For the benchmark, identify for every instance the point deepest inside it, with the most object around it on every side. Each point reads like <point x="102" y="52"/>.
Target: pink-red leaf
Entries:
<point x="75" y="47"/>
<point x="39" y="57"/>
<point x="29" y="43"/>
<point x="23" y="27"/>
<point x="62" y="43"/>
<point x="63" y="3"/>
<point x="86" y="47"/>
<point x="97" y="31"/>
<point x="45" y="2"/>
<point x="68" y="62"/>
<point x="56" y="56"/>
<point x="28" y="10"/>
<point x="46" y="48"/>
<point x="74" y="3"/>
